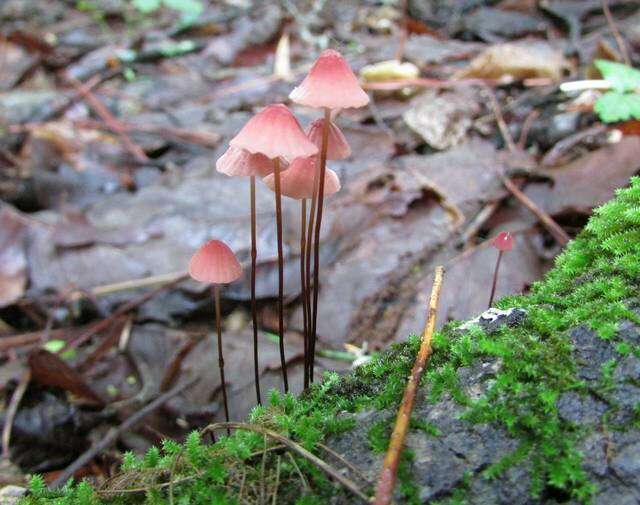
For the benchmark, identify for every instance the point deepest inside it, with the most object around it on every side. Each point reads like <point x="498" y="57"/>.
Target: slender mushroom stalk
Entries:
<point x="316" y="239"/>
<point x="298" y="182"/>
<point x="276" y="174"/>
<point x="275" y="133"/>
<point x="216" y="299"/>
<point x="503" y="242"/>
<point x="330" y="85"/>
<point x="214" y="263"/>
<point x="254" y="309"/>
<point x="303" y="288"/>
<point x="240" y="163"/>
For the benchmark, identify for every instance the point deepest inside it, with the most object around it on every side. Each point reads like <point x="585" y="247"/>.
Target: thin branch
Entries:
<point x="113" y="435"/>
<point x="295" y="447"/>
<point x="616" y="33"/>
<point x="389" y="471"/>
<point x="547" y="221"/>
<point x="12" y="409"/>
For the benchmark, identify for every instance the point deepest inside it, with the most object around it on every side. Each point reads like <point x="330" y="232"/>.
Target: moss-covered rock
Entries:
<point x="540" y="407"/>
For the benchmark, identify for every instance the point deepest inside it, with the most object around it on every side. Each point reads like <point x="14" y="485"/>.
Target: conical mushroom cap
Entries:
<point x="297" y="181"/>
<point x="274" y="132"/>
<point x="214" y="263"/>
<point x="337" y="146"/>
<point x="503" y="242"/>
<point x="240" y="163"/>
<point x="330" y="83"/>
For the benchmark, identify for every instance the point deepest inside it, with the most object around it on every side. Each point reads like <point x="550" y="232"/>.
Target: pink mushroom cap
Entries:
<point x="337" y="146"/>
<point x="330" y="83"/>
<point x="240" y="163"/>
<point x="297" y="181"/>
<point x="274" y="132"/>
<point x="503" y="242"/>
<point x="214" y="263"/>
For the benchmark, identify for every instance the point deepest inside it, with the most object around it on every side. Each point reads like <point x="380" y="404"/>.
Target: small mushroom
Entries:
<point x="503" y="242"/>
<point x="337" y="146"/>
<point x="330" y="84"/>
<point x="274" y="132"/>
<point x="214" y="263"/>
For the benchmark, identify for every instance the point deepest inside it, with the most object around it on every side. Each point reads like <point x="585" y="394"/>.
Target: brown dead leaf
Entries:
<point x="589" y="181"/>
<point x="516" y="62"/>
<point x="442" y="119"/>
<point x="50" y="370"/>
<point x="13" y="263"/>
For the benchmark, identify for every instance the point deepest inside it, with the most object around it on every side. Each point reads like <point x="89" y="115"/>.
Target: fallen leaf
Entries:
<point x="517" y="61"/>
<point x="13" y="264"/>
<point x="589" y="181"/>
<point x="442" y="119"/>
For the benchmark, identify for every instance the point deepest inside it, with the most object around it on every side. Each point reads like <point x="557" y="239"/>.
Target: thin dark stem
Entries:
<point x="495" y="278"/>
<point x="283" y="362"/>
<point x="254" y="310"/>
<point x="316" y="238"/>
<point x="216" y="299"/>
<point x="303" y="288"/>
<point x="309" y="248"/>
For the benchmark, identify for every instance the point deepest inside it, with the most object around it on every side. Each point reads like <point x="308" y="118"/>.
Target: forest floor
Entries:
<point x="113" y="118"/>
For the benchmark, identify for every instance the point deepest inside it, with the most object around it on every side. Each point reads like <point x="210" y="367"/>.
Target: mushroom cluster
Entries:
<point x="292" y="163"/>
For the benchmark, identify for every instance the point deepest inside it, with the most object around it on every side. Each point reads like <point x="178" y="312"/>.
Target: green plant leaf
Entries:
<point x="622" y="77"/>
<point x="146" y="6"/>
<point x="187" y="7"/>
<point x="614" y="106"/>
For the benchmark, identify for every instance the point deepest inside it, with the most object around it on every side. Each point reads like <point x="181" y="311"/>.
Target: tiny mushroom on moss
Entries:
<point x="502" y="242"/>
<point x="276" y="133"/>
<point x="330" y="85"/>
<point x="214" y="263"/>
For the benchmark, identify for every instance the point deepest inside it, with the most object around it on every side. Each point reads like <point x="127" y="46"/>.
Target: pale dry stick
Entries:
<point x="11" y="411"/>
<point x="616" y="33"/>
<point x="389" y="471"/>
<point x="113" y="435"/>
<point x="123" y="309"/>
<point x="295" y="447"/>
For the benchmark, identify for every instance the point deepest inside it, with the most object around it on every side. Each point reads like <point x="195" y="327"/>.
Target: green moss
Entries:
<point x="590" y="285"/>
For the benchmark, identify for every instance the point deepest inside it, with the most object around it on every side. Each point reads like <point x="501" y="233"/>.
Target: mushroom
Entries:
<point x="237" y="162"/>
<point x="330" y="84"/>
<point x="503" y="242"/>
<point x="275" y="133"/>
<point x="214" y="263"/>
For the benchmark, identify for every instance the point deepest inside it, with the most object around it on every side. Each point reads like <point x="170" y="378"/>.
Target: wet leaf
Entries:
<point x="13" y="264"/>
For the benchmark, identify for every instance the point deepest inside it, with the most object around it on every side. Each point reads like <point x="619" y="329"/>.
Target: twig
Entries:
<point x="547" y="221"/>
<point x="616" y="33"/>
<point x="389" y="471"/>
<point x="526" y="126"/>
<point x="425" y="82"/>
<point x="109" y="119"/>
<point x="345" y="462"/>
<point x="295" y="447"/>
<point x="305" y="484"/>
<point x="123" y="309"/>
<point x="504" y="130"/>
<point x="113" y="435"/>
<point x="12" y="409"/>
<point x="275" y="490"/>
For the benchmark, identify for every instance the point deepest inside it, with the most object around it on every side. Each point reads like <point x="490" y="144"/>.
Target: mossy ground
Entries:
<point x="592" y="284"/>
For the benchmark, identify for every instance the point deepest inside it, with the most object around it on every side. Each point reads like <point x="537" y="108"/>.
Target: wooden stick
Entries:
<point x="616" y="33"/>
<point x="113" y="435"/>
<point x="295" y="447"/>
<point x="11" y="411"/>
<point x="389" y="471"/>
<point x="547" y="221"/>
